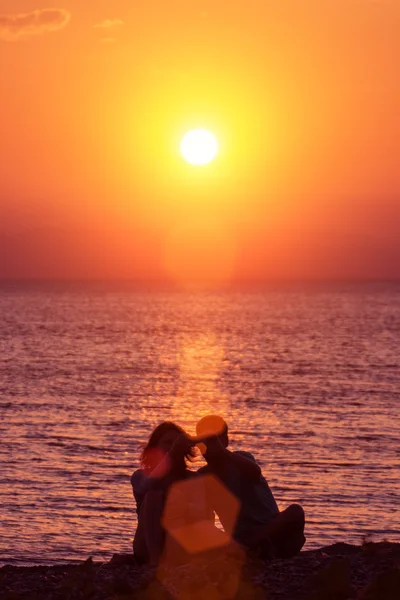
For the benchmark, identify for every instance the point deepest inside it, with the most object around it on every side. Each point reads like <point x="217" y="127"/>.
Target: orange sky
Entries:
<point x="303" y="96"/>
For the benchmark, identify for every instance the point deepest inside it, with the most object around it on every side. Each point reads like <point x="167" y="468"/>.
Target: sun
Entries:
<point x="199" y="147"/>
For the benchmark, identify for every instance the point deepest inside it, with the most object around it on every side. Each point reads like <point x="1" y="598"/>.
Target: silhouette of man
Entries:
<point x="260" y="525"/>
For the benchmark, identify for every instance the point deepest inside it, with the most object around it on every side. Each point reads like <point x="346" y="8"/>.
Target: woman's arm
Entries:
<point x="180" y="447"/>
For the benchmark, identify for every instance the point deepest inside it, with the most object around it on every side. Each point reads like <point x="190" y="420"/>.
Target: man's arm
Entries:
<point x="244" y="462"/>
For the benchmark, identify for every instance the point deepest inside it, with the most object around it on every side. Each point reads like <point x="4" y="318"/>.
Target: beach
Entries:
<point x="338" y="572"/>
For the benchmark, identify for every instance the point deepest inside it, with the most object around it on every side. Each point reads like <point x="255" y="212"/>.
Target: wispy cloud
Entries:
<point x="23" y="25"/>
<point x="108" y="24"/>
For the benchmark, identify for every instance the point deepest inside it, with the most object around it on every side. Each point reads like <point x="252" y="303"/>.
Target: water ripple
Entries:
<point x="308" y="380"/>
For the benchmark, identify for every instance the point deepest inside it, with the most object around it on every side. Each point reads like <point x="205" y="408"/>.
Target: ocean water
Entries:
<point x="307" y="378"/>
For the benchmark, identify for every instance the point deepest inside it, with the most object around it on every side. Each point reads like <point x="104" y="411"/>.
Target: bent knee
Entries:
<point x="297" y="513"/>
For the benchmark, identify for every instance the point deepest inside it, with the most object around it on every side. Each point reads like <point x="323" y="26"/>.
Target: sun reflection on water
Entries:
<point x="200" y="360"/>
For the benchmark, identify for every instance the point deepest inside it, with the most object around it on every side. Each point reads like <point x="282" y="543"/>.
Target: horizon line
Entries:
<point x="171" y="284"/>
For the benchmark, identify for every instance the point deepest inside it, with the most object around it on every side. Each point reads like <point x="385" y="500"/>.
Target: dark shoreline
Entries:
<point x="338" y="572"/>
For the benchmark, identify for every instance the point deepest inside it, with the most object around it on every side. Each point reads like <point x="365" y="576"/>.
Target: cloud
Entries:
<point x="108" y="24"/>
<point x="37" y="22"/>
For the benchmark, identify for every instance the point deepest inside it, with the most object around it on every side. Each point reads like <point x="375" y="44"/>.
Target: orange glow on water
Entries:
<point x="306" y="380"/>
<point x="200" y="360"/>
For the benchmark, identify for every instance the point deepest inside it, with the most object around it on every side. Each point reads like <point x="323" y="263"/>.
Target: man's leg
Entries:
<point x="282" y="537"/>
<point x="287" y="531"/>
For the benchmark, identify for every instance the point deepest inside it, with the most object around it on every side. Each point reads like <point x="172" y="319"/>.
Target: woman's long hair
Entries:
<point x="150" y="458"/>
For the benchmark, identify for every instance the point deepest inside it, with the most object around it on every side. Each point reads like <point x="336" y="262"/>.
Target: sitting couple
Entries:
<point x="258" y="525"/>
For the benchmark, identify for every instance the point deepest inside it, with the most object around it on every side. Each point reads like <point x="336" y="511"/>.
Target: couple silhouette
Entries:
<point x="177" y="506"/>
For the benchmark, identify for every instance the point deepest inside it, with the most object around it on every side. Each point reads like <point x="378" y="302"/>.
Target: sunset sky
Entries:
<point x="302" y="95"/>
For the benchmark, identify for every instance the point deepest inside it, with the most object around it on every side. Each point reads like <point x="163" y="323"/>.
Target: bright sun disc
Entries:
<point x="199" y="147"/>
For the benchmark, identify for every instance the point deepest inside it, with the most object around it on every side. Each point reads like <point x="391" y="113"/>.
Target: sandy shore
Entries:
<point x="338" y="572"/>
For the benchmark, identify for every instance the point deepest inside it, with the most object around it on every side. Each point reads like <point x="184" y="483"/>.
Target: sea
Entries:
<point x="307" y="377"/>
